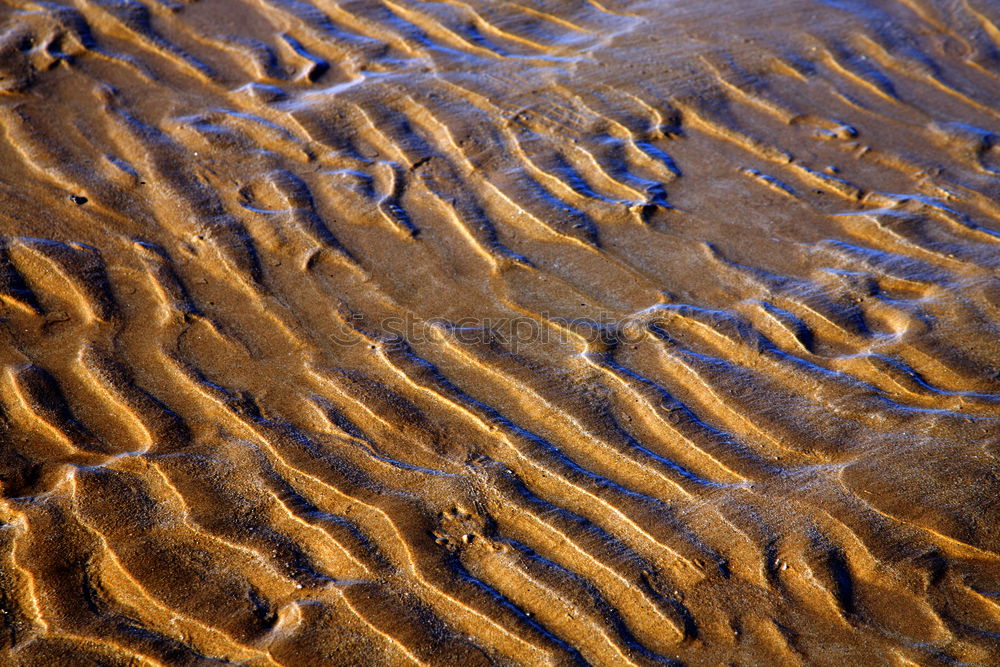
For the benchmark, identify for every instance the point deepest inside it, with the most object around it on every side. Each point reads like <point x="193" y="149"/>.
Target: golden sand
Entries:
<point x="479" y="332"/>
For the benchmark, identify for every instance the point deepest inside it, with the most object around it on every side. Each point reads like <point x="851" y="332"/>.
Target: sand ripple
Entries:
<point x="471" y="332"/>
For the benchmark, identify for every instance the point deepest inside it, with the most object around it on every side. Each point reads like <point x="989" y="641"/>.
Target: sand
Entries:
<point x="465" y="332"/>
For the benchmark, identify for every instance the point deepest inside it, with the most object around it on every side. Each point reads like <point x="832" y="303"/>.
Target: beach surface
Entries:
<point x="534" y="332"/>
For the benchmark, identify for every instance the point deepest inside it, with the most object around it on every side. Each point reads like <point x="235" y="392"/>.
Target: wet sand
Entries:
<point x="519" y="333"/>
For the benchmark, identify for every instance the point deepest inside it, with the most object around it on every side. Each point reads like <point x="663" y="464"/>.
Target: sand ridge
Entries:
<point x="468" y="332"/>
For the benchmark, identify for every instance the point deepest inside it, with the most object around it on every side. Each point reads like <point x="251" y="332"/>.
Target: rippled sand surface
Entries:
<point x="471" y="332"/>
